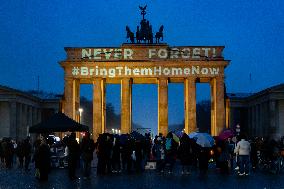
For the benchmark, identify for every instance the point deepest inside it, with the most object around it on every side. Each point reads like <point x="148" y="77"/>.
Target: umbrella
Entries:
<point x="228" y="133"/>
<point x="175" y="137"/>
<point x="203" y="139"/>
<point x="192" y="135"/>
<point x="58" y="122"/>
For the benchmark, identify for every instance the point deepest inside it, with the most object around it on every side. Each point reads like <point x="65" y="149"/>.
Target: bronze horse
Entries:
<point x="130" y="34"/>
<point x="159" y="34"/>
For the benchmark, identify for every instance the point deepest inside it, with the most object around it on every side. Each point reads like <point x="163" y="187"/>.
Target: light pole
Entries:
<point x="80" y="114"/>
<point x="238" y="129"/>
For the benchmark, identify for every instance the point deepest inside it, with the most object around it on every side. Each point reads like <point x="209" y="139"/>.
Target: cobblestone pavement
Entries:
<point x="58" y="179"/>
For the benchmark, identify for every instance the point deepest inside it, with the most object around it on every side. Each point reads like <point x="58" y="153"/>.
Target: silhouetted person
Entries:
<point x="171" y="151"/>
<point x="8" y="151"/>
<point x="116" y="167"/>
<point x="138" y="156"/>
<point x="20" y="154"/>
<point x="243" y="149"/>
<point x="158" y="152"/>
<point x="73" y="155"/>
<point x="42" y="160"/>
<point x="87" y="149"/>
<point x="203" y="158"/>
<point x="185" y="153"/>
<point x="27" y="150"/>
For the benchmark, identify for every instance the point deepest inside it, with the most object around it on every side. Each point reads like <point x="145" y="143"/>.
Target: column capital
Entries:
<point x="191" y="78"/>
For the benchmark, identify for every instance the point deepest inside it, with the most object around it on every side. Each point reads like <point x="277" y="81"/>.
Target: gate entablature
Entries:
<point x="145" y="52"/>
<point x="144" y="61"/>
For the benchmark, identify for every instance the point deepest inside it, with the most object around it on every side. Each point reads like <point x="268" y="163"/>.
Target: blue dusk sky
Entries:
<point x="33" y="34"/>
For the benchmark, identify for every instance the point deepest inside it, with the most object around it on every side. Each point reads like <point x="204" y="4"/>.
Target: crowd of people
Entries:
<point x="130" y="153"/>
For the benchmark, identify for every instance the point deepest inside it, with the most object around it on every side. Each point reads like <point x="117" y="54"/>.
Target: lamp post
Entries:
<point x="80" y="114"/>
<point x="238" y="129"/>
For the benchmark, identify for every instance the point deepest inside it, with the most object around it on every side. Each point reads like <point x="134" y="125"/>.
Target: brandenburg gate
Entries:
<point x="145" y="61"/>
<point x="148" y="64"/>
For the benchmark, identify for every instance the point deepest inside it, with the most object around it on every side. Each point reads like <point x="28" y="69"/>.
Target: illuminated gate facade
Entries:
<point x="145" y="64"/>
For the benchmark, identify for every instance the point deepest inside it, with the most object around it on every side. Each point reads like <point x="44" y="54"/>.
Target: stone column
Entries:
<point x="13" y="120"/>
<point x="34" y="120"/>
<point x="126" y="104"/>
<point x="30" y="118"/>
<point x="227" y="113"/>
<point x="190" y="105"/>
<point x="249" y="122"/>
<point x="213" y="106"/>
<point x="39" y="112"/>
<point x="163" y="106"/>
<point x="77" y="101"/>
<point x="220" y="105"/>
<point x="23" y="129"/>
<point x="272" y="118"/>
<point x="98" y="107"/>
<point x="254" y="120"/>
<point x="71" y="95"/>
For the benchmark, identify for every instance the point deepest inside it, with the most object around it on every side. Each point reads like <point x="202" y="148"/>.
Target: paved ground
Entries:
<point x="16" y="179"/>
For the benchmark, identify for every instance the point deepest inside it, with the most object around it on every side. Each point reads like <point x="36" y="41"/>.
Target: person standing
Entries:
<point x="8" y="150"/>
<point x="20" y="154"/>
<point x="171" y="151"/>
<point x="87" y="150"/>
<point x="185" y="153"/>
<point x="158" y="152"/>
<point x="27" y="150"/>
<point x="243" y="149"/>
<point x="73" y="155"/>
<point x="203" y="158"/>
<point x="42" y="160"/>
<point x="116" y="167"/>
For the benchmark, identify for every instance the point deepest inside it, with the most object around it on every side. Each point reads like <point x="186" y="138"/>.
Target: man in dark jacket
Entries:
<point x="27" y="150"/>
<point x="73" y="155"/>
<point x="87" y="149"/>
<point x="42" y="160"/>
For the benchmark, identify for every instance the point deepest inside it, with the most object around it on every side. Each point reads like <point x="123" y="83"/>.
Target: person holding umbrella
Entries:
<point x="205" y="142"/>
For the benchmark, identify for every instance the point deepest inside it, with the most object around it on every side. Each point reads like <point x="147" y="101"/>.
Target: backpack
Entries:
<point x="168" y="144"/>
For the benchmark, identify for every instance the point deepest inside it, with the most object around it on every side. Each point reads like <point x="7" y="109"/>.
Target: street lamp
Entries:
<point x="238" y="129"/>
<point x="80" y="114"/>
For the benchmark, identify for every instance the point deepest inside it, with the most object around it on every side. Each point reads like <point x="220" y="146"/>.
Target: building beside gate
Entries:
<point x="19" y="110"/>
<point x="258" y="114"/>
